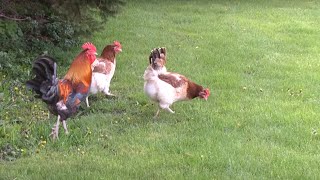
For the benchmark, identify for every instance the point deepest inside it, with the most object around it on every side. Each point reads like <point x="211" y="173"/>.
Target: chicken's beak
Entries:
<point x="96" y="53"/>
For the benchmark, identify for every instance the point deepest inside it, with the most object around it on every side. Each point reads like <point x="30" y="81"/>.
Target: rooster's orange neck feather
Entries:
<point x="80" y="70"/>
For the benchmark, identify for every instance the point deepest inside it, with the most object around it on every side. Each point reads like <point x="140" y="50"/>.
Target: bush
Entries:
<point x="28" y="29"/>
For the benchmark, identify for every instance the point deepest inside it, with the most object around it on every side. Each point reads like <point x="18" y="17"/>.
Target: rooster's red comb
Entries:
<point x="89" y="45"/>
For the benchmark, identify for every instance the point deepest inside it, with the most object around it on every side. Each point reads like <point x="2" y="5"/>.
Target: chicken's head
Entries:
<point x="204" y="94"/>
<point x="117" y="46"/>
<point x="90" y="50"/>
<point x="158" y="64"/>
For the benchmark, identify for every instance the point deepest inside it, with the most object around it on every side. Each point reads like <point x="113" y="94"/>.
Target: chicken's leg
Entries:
<point x="87" y="101"/>
<point x="64" y="123"/>
<point x="168" y="109"/>
<point x="107" y="92"/>
<point x="55" y="129"/>
<point x="110" y="94"/>
<point x="157" y="113"/>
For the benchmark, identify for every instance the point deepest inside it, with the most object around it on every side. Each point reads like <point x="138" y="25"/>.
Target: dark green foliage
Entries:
<point x="91" y="14"/>
<point x="30" y="28"/>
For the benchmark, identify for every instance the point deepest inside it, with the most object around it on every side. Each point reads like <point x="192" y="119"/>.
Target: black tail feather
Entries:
<point x="44" y="84"/>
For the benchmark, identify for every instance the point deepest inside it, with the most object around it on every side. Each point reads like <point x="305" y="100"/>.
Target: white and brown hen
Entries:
<point x="165" y="87"/>
<point x="103" y="70"/>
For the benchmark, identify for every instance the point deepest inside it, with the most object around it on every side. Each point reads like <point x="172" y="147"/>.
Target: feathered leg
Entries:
<point x="55" y="129"/>
<point x="64" y="123"/>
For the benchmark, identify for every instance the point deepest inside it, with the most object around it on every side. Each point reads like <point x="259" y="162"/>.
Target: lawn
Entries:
<point x="260" y="60"/>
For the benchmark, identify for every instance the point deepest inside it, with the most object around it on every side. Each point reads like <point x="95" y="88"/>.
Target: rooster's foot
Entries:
<point x="54" y="133"/>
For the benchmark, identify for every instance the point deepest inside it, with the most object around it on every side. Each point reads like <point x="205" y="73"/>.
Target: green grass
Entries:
<point x="259" y="58"/>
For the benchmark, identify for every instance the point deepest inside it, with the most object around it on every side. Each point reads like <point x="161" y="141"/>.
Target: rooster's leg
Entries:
<point x="55" y="129"/>
<point x="64" y="123"/>
<point x="87" y="101"/>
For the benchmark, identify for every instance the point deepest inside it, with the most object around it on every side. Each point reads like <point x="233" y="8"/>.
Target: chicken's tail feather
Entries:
<point x="45" y="81"/>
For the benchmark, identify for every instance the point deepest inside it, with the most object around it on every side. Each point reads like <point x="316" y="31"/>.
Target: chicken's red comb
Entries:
<point x="89" y="45"/>
<point x="117" y="43"/>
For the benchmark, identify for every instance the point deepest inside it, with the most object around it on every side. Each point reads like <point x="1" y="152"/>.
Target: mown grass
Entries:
<point x="260" y="59"/>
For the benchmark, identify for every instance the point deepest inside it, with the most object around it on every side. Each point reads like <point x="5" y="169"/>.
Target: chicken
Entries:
<point x="104" y="69"/>
<point x="164" y="87"/>
<point x="63" y="96"/>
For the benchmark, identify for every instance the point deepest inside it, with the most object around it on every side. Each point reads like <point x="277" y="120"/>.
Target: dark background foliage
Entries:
<point x="29" y="28"/>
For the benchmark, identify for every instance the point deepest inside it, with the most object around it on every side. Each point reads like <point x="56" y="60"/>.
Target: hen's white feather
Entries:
<point x="160" y="91"/>
<point x="101" y="82"/>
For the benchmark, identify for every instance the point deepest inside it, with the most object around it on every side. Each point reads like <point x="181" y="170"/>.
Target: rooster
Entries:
<point x="164" y="87"/>
<point x="63" y="96"/>
<point x="103" y="70"/>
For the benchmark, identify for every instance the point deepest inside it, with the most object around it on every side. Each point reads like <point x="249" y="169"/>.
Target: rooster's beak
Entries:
<point x="96" y="53"/>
